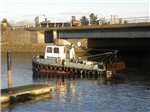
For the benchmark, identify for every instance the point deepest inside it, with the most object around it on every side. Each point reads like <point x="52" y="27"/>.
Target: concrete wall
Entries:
<point x="37" y="37"/>
<point x="21" y="35"/>
<point x="41" y="37"/>
<point x="84" y="42"/>
<point x="33" y="36"/>
<point x="17" y="35"/>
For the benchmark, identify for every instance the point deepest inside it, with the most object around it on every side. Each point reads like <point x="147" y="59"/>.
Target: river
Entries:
<point x="129" y="91"/>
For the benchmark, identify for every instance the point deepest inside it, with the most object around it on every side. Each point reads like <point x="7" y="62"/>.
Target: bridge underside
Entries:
<point x="143" y="32"/>
<point x="133" y="44"/>
<point x="124" y="39"/>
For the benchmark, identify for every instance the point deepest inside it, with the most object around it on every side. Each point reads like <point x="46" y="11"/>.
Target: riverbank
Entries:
<point x="18" y="47"/>
<point x="23" y="47"/>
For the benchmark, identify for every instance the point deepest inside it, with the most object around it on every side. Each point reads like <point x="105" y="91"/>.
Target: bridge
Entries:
<point x="103" y="36"/>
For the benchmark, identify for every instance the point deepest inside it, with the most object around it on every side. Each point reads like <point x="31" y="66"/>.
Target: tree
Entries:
<point x="93" y="18"/>
<point x="5" y="21"/>
<point x="125" y="21"/>
<point x="84" y="20"/>
<point x="103" y="20"/>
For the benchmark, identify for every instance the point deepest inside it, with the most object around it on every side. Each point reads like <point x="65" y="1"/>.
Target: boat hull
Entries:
<point x="49" y="71"/>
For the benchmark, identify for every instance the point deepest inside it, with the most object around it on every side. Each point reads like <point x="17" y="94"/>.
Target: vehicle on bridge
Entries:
<point x="62" y="59"/>
<point x="75" y="22"/>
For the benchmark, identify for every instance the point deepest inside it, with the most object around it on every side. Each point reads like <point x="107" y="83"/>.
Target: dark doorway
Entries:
<point x="48" y="36"/>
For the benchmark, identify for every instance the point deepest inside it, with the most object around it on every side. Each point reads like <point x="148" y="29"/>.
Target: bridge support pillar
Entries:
<point x="37" y="37"/>
<point x="40" y="37"/>
<point x="55" y="36"/>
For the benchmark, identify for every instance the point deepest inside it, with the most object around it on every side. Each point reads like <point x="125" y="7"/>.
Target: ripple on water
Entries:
<point x="81" y="94"/>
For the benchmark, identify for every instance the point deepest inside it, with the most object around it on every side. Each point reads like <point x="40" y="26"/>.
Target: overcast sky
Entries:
<point x="26" y="10"/>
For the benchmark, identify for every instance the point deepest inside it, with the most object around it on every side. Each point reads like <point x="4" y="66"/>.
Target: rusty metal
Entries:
<point x="116" y="64"/>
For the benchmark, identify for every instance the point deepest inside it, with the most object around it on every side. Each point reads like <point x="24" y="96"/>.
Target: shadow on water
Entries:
<point x="24" y="100"/>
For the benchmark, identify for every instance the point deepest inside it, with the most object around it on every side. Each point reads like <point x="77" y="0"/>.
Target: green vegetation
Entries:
<point x="5" y="21"/>
<point x="93" y="19"/>
<point x="84" y="20"/>
<point x="4" y="29"/>
<point x="125" y="21"/>
<point x="103" y="20"/>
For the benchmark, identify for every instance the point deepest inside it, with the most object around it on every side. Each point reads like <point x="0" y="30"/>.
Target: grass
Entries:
<point x="22" y="47"/>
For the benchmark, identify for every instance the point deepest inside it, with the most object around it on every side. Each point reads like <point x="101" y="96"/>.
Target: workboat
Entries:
<point x="62" y="59"/>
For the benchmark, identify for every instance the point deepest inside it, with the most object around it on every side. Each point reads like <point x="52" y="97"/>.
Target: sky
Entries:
<point x="16" y="11"/>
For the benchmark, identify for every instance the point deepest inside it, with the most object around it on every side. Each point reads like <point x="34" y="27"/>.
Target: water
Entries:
<point x="129" y="92"/>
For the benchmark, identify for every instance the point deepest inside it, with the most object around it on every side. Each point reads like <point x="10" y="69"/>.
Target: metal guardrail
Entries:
<point x="104" y="21"/>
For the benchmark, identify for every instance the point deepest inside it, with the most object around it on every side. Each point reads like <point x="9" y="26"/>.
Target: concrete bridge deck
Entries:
<point x="128" y="25"/>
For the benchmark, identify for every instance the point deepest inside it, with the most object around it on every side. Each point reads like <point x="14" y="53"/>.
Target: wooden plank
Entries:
<point x="32" y="89"/>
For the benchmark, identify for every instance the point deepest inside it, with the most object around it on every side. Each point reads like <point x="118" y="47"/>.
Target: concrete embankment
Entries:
<point x="17" y="35"/>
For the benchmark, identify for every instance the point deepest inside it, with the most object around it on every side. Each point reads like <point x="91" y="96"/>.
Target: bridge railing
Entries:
<point x="103" y="21"/>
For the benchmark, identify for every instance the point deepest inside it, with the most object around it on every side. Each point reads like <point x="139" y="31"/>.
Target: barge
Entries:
<point x="62" y="59"/>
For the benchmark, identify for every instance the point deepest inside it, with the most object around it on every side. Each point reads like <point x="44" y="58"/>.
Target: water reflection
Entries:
<point x="69" y="81"/>
<point x="24" y="100"/>
<point x="80" y="92"/>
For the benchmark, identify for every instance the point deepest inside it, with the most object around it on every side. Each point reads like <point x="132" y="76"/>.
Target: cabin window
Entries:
<point x="49" y="49"/>
<point x="56" y="50"/>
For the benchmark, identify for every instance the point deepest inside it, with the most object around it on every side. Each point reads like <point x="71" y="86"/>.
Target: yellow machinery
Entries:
<point x="4" y="24"/>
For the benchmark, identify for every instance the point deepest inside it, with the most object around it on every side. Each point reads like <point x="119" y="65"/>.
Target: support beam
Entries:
<point x="55" y="36"/>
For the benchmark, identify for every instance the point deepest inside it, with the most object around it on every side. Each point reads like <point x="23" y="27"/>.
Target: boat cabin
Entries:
<point x="63" y="51"/>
